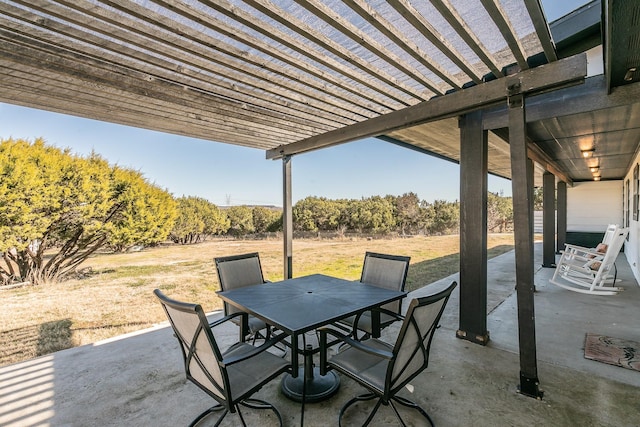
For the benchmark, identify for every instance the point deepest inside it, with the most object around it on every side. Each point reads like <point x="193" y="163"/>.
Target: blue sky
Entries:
<point x="227" y="174"/>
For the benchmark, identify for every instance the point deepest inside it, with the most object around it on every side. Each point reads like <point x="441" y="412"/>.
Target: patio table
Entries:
<point x="296" y="306"/>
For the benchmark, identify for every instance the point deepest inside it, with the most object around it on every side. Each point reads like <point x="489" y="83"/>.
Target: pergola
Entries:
<point x="486" y="83"/>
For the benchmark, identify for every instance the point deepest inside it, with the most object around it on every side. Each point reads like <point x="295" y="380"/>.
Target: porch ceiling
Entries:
<point x="268" y="74"/>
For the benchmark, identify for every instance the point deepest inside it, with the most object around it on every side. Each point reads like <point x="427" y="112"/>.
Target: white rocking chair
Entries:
<point x="588" y="270"/>
<point x="611" y="231"/>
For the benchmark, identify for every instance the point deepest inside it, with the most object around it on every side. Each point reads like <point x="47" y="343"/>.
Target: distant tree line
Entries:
<point x="56" y="209"/>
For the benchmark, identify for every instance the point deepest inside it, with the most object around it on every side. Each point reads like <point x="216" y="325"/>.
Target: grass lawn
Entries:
<point x="116" y="296"/>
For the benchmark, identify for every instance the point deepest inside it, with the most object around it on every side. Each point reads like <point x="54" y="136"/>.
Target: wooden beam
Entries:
<point x="287" y="217"/>
<point x="473" y="229"/>
<point x="522" y="190"/>
<point x="536" y="154"/>
<point x="549" y="220"/>
<point x="561" y="216"/>
<point x="590" y="96"/>
<point x="544" y="78"/>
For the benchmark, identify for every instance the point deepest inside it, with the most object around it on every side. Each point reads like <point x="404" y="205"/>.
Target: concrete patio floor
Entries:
<point x="138" y="380"/>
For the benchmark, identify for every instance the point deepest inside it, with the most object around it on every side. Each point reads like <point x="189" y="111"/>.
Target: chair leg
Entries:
<point x="361" y="398"/>
<point x="209" y="411"/>
<point x="371" y="396"/>
<point x="409" y="404"/>
<point x="249" y="403"/>
<point x="260" y="404"/>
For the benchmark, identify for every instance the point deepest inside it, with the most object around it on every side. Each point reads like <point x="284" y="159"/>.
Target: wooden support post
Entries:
<point x="561" y="232"/>
<point x="549" y="220"/>
<point x="287" y="217"/>
<point x="473" y="229"/>
<point x="522" y="189"/>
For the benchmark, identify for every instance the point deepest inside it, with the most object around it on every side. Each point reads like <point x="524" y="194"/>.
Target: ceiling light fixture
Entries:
<point x="594" y="168"/>
<point x="588" y="153"/>
<point x="596" y="178"/>
<point x="629" y="74"/>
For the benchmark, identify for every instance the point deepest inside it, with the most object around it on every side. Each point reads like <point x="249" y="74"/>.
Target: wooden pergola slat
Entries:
<point x="348" y="29"/>
<point x="304" y="31"/>
<point x="313" y="80"/>
<point x="284" y="93"/>
<point x="287" y="72"/>
<point x="404" y="8"/>
<point x="501" y="19"/>
<point x="457" y="23"/>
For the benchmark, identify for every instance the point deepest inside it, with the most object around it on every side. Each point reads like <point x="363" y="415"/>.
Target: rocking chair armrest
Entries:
<point x="581" y="252"/>
<point x="256" y="350"/>
<point x="576" y="247"/>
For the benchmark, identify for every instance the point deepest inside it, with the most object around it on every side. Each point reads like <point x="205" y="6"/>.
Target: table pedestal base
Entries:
<point x="319" y="387"/>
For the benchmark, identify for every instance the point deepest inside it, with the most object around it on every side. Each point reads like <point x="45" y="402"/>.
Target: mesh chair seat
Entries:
<point x="369" y="368"/>
<point x="244" y="375"/>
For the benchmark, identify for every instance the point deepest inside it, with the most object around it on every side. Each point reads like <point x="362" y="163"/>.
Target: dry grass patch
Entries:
<point x="115" y="295"/>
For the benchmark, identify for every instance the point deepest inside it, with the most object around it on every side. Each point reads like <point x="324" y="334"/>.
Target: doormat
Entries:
<point x="613" y="351"/>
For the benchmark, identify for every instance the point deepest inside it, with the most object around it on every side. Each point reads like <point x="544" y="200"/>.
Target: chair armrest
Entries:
<point x="356" y="344"/>
<point x="354" y="332"/>
<point x="346" y="339"/>
<point x="226" y="319"/>
<point x="256" y="350"/>
<point x="389" y="312"/>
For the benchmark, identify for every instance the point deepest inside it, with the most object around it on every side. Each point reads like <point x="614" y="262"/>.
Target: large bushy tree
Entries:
<point x="241" y="220"/>
<point x="146" y="212"/>
<point x="318" y="214"/>
<point x="499" y="213"/>
<point x="442" y="217"/>
<point x="266" y="220"/>
<point x="197" y="219"/>
<point x="408" y="213"/>
<point x="56" y="209"/>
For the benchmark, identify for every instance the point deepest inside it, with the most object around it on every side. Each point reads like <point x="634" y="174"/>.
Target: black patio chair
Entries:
<point x="384" y="271"/>
<point x="382" y="368"/>
<point x="229" y="377"/>
<point x="238" y="271"/>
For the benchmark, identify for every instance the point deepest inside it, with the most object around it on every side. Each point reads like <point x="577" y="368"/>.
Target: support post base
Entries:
<point x="530" y="387"/>
<point x="482" y="339"/>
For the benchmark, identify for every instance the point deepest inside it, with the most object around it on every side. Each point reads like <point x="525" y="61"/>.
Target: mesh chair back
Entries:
<point x="412" y="346"/>
<point x="238" y="271"/>
<point x="199" y="349"/>
<point x="386" y="271"/>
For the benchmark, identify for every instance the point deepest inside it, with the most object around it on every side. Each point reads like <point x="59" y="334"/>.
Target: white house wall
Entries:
<point x="632" y="246"/>
<point x="592" y="205"/>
